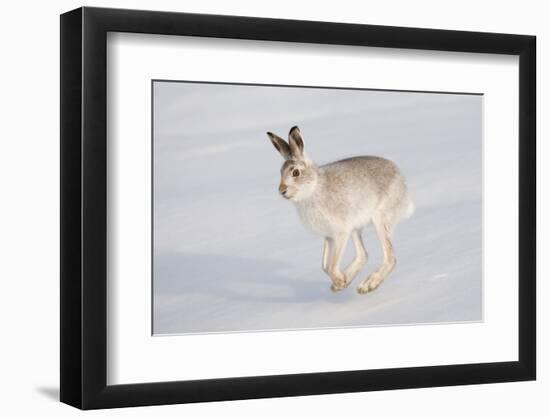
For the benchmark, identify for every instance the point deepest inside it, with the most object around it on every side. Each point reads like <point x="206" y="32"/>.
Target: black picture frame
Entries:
<point x="84" y="207"/>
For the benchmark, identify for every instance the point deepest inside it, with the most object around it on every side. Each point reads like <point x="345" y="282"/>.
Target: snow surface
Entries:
<point x="231" y="255"/>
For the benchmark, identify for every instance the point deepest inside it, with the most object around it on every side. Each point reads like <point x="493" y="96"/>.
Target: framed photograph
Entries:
<point x="256" y="207"/>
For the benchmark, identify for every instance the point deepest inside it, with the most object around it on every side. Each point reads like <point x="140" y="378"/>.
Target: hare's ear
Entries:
<point x="280" y="145"/>
<point x="296" y="142"/>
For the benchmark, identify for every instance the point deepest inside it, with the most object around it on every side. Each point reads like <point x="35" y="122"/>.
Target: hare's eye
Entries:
<point x="296" y="173"/>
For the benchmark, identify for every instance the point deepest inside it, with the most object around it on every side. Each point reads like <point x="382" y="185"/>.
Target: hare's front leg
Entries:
<point x="360" y="257"/>
<point x="383" y="230"/>
<point x="332" y="256"/>
<point x="326" y="253"/>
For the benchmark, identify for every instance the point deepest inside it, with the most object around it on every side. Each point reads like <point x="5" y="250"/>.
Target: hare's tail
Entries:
<point x="409" y="210"/>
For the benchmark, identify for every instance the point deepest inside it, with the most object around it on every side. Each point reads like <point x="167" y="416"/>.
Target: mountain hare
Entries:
<point x="339" y="199"/>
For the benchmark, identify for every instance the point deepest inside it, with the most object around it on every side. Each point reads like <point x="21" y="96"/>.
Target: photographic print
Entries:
<point x="294" y="207"/>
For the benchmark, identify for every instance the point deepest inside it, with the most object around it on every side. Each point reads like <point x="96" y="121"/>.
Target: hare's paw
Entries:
<point x="338" y="285"/>
<point x="370" y="284"/>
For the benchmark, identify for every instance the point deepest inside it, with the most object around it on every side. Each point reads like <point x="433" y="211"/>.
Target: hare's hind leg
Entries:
<point x="383" y="230"/>
<point x="360" y="257"/>
<point x="332" y="256"/>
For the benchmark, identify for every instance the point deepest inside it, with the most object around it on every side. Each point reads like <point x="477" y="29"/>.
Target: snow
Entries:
<point x="231" y="255"/>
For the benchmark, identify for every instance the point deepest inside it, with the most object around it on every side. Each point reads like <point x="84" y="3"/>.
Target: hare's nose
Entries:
<point x="282" y="189"/>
